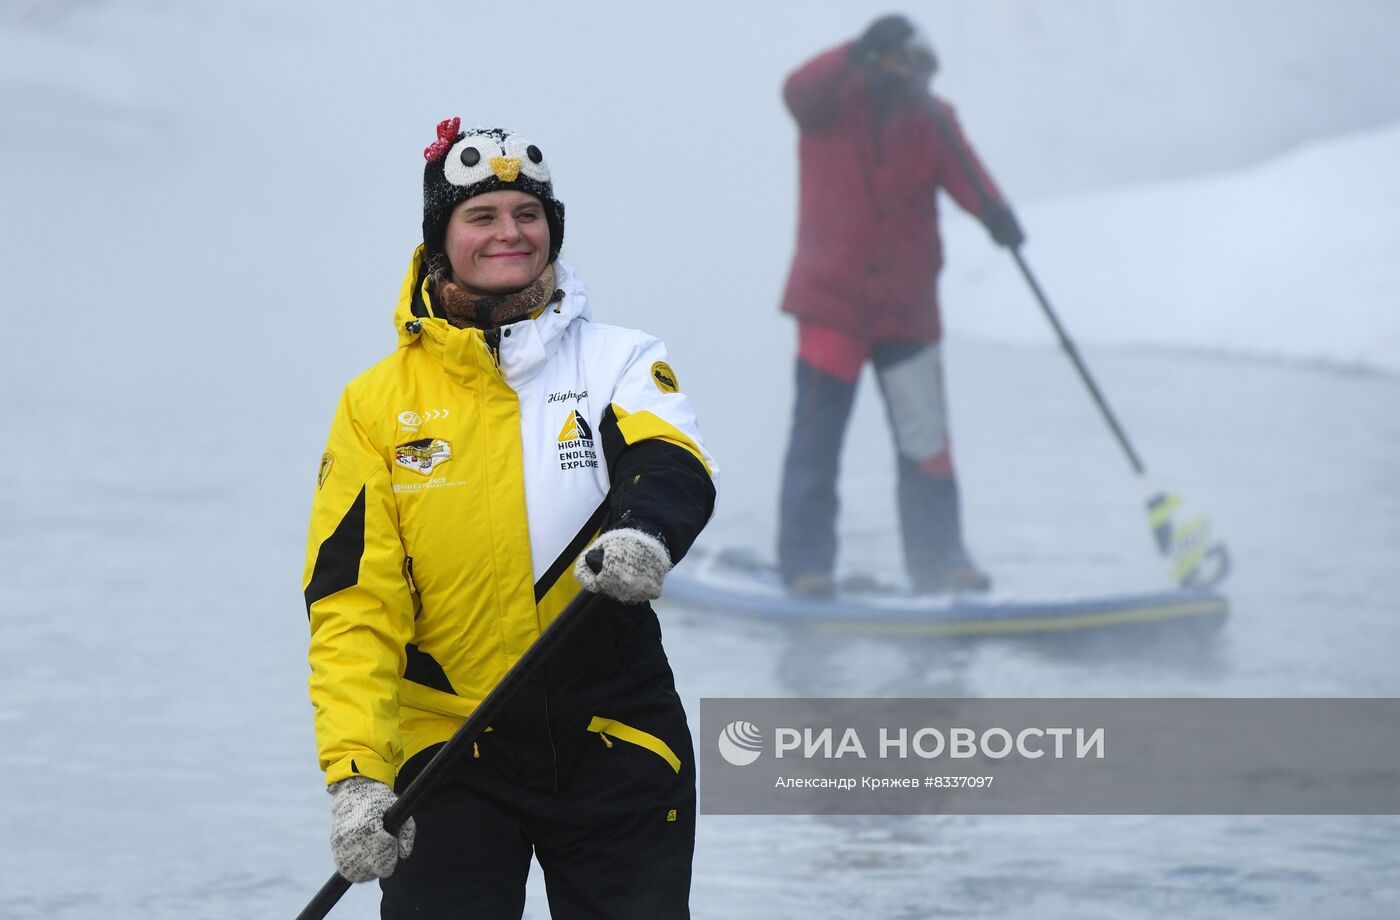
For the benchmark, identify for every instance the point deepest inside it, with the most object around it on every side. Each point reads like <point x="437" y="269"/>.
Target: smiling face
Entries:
<point x="497" y="243"/>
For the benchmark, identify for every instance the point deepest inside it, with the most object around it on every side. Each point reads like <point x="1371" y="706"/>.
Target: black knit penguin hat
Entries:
<point x="464" y="164"/>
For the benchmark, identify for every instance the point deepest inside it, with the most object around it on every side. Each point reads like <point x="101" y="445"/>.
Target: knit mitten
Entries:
<point x="363" y="848"/>
<point x="625" y="564"/>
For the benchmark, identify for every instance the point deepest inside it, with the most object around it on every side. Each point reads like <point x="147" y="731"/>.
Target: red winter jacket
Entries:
<point x="868" y="249"/>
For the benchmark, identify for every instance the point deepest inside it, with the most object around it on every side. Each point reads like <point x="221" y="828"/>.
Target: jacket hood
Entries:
<point x="526" y="344"/>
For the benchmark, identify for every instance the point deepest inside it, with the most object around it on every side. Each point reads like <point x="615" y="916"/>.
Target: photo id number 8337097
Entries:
<point x="958" y="782"/>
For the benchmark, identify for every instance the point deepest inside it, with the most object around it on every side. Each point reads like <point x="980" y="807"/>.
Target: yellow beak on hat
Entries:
<point x="505" y="168"/>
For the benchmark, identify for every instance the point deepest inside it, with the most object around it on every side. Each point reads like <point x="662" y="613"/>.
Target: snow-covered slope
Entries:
<point x="1294" y="259"/>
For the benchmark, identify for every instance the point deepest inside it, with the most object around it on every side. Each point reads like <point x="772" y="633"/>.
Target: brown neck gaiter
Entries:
<point x="484" y="311"/>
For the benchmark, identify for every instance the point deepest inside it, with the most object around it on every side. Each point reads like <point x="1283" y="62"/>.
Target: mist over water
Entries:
<point x="207" y="213"/>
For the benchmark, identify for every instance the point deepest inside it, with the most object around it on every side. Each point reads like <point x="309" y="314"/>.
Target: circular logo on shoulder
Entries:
<point x="664" y="377"/>
<point x="740" y="743"/>
<point x="410" y="419"/>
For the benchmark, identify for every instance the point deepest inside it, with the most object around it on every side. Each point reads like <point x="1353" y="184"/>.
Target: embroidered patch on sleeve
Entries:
<point x="326" y="460"/>
<point x="664" y="378"/>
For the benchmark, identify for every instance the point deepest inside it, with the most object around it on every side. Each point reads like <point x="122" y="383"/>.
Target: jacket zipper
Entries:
<point x="493" y="342"/>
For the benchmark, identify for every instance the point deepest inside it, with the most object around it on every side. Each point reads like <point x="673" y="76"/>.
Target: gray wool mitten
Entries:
<point x="625" y="564"/>
<point x="362" y="847"/>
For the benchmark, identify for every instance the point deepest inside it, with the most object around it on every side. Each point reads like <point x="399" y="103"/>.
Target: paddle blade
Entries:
<point x="1196" y="561"/>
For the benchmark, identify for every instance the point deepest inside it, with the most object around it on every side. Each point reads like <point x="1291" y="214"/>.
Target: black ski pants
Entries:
<point x="604" y="800"/>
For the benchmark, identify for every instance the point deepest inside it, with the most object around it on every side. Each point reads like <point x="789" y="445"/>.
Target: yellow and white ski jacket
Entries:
<point x="462" y="477"/>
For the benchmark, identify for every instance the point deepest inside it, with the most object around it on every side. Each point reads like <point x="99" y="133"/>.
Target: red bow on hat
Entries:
<point x="447" y="131"/>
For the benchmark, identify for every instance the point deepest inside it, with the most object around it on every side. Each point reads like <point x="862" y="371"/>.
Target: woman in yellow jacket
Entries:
<point x="464" y="477"/>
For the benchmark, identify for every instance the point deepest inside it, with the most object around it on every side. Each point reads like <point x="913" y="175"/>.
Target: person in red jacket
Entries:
<point x="875" y="148"/>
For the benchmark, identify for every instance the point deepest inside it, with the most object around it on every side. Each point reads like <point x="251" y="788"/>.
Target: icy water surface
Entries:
<point x="158" y="759"/>
<point x="1295" y="467"/>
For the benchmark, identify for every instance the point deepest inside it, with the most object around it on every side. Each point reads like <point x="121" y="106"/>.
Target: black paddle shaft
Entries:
<point x="456" y="747"/>
<point x="965" y="162"/>
<point x="1079" y="365"/>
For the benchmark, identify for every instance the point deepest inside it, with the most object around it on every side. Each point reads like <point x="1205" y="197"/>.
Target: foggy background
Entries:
<point x="207" y="210"/>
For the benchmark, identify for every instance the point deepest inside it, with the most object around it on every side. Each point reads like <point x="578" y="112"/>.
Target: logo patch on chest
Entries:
<point x="576" y="449"/>
<point x="423" y="455"/>
<point x="411" y="421"/>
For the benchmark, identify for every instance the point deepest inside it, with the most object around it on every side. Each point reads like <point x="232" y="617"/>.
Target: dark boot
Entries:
<point x="961" y="575"/>
<point x="931" y="523"/>
<point x="813" y="585"/>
